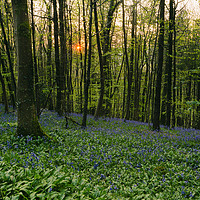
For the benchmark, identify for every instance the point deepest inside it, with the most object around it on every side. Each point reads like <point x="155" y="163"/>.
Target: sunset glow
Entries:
<point x="78" y="47"/>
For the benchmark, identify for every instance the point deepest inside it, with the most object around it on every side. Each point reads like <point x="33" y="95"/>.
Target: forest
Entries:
<point x="129" y="60"/>
<point x="99" y="99"/>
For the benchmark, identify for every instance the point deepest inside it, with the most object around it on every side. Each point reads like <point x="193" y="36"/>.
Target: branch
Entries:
<point x="69" y="118"/>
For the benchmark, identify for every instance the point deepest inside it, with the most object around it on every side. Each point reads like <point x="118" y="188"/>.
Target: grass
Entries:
<point x="110" y="159"/>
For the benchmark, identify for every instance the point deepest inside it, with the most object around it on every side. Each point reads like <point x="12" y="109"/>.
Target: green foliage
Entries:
<point x="110" y="159"/>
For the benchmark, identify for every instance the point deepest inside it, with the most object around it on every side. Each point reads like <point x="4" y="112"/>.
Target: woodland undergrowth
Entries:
<point x="110" y="159"/>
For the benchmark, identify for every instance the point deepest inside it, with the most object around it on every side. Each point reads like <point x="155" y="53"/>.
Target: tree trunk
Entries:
<point x="169" y="63"/>
<point x="26" y="112"/>
<point x="50" y="70"/>
<point x="57" y="61"/>
<point x="106" y="57"/>
<point x="13" y="88"/>
<point x="128" y="66"/>
<point x="87" y="82"/>
<point x="63" y="63"/>
<point x="5" y="99"/>
<point x="100" y="100"/>
<point x="174" y="75"/>
<point x="37" y="98"/>
<point x="156" y="114"/>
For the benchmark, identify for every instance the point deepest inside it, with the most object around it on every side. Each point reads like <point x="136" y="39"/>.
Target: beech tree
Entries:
<point x="156" y="114"/>
<point x="91" y="57"/>
<point x="27" y="121"/>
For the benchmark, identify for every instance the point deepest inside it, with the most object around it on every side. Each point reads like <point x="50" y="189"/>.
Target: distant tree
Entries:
<point x="26" y="112"/>
<point x="106" y="44"/>
<point x="156" y="114"/>
<point x="7" y="45"/>
<point x="87" y="72"/>
<point x="174" y="72"/>
<point x="57" y="60"/>
<point x="5" y="98"/>
<point x="100" y="100"/>
<point x="63" y="64"/>
<point x="37" y="98"/>
<point x="170" y="62"/>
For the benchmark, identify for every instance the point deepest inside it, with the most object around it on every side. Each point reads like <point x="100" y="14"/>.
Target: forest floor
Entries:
<point x="110" y="159"/>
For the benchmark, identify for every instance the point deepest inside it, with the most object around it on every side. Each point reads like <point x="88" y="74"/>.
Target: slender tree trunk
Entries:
<point x="156" y="114"/>
<point x="145" y="84"/>
<point x="81" y="62"/>
<point x="26" y="112"/>
<point x="50" y="70"/>
<point x="197" y="122"/>
<point x="13" y="88"/>
<point x="174" y="75"/>
<point x="106" y="57"/>
<point x="5" y="98"/>
<point x="124" y="94"/>
<point x="35" y="63"/>
<point x="70" y="59"/>
<point x="57" y="61"/>
<point x="169" y="63"/>
<point x="87" y="83"/>
<point x="63" y="63"/>
<point x="129" y="67"/>
<point x="100" y="100"/>
<point x="136" y="72"/>
<point x="5" y="71"/>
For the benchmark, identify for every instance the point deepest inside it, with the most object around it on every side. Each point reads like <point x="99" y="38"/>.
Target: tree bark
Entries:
<point x="37" y="98"/>
<point x="174" y="75"/>
<point x="50" y="71"/>
<point x="13" y="83"/>
<point x="156" y="114"/>
<point x="5" y="98"/>
<point x="26" y="112"/>
<point x="106" y="57"/>
<point x="100" y="100"/>
<point x="169" y="64"/>
<point x="63" y="63"/>
<point x="87" y="83"/>
<point x="57" y="61"/>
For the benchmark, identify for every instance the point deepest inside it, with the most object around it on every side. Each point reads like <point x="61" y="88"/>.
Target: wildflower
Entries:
<point x="182" y="192"/>
<point x="190" y="194"/>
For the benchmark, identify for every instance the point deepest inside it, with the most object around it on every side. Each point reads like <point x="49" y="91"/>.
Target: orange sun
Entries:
<point x="78" y="47"/>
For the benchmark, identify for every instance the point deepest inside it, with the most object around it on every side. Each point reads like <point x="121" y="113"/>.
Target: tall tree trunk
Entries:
<point x="5" y="99"/>
<point x="5" y="71"/>
<point x="136" y="73"/>
<point x="9" y="59"/>
<point x="169" y="63"/>
<point x="57" y="61"/>
<point x="197" y="122"/>
<point x="81" y="61"/>
<point x="69" y="60"/>
<point x="50" y="70"/>
<point x="87" y="82"/>
<point x="26" y="112"/>
<point x="100" y="100"/>
<point x="106" y="56"/>
<point x="174" y="75"/>
<point x="156" y="114"/>
<point x="145" y="84"/>
<point x="128" y="66"/>
<point x="63" y="63"/>
<point x="35" y="63"/>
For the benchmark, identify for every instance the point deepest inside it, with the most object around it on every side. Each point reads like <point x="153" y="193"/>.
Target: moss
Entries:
<point x="24" y="30"/>
<point x="34" y="130"/>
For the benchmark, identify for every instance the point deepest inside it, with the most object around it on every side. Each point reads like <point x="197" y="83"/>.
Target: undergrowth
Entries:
<point x="110" y="159"/>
